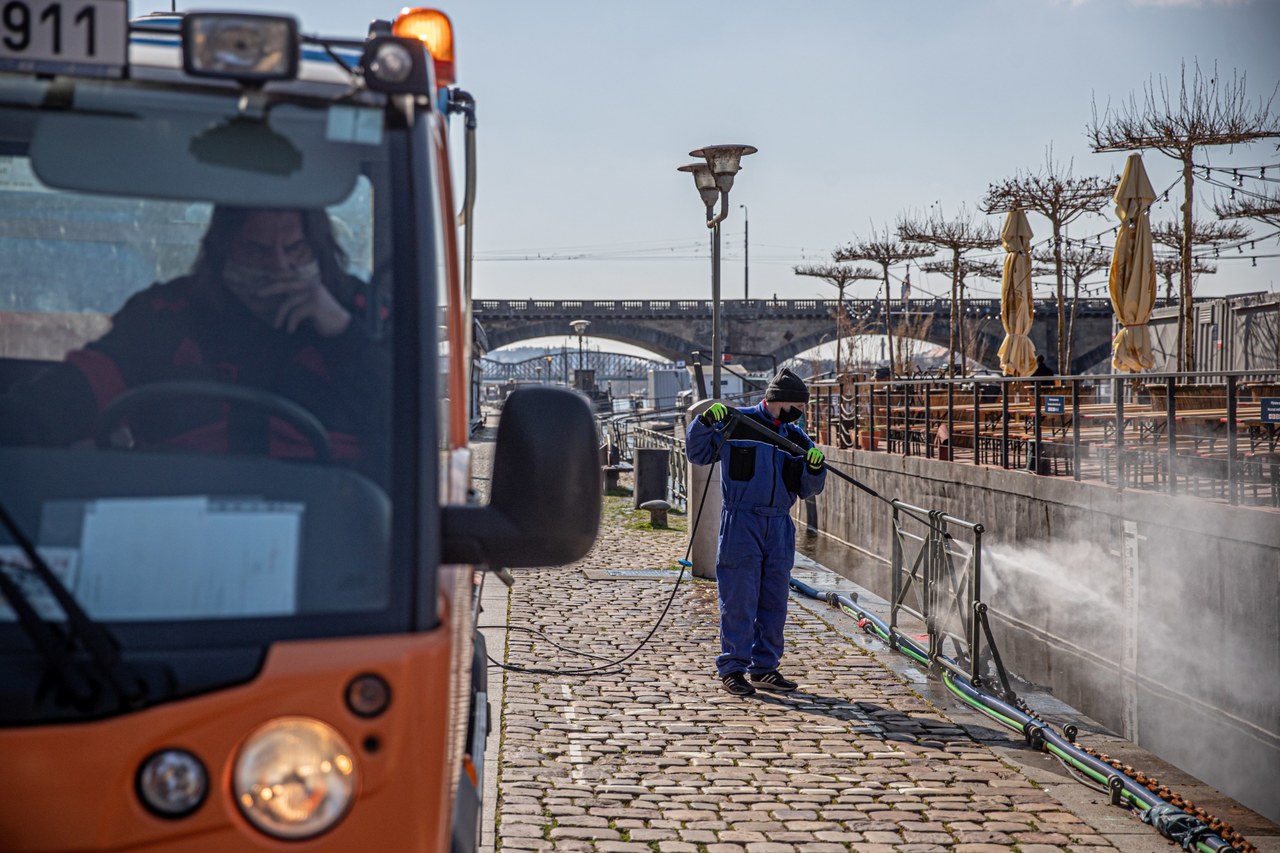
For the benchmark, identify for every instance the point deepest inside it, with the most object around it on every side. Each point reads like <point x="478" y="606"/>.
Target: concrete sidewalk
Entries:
<point x="654" y="756"/>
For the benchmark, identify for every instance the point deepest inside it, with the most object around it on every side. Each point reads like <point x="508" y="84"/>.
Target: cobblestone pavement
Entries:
<point x="653" y="756"/>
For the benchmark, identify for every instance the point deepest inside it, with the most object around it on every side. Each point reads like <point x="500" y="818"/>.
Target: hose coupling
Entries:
<point x="1035" y="735"/>
<point x="1070" y="731"/>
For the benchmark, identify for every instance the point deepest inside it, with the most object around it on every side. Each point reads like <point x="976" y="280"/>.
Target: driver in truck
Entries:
<point x="267" y="304"/>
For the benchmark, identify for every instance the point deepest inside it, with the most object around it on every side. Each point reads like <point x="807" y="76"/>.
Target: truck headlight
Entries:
<point x="294" y="777"/>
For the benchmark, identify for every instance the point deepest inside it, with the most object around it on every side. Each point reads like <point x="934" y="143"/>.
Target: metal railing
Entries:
<point x="1205" y="433"/>
<point x="677" y="465"/>
<point x="857" y="307"/>
<point x="937" y="578"/>
<point x="622" y="434"/>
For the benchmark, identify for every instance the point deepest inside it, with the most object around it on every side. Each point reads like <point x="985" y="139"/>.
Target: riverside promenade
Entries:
<point x="868" y="755"/>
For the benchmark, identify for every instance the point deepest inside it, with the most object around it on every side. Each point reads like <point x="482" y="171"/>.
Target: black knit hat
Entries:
<point x="786" y="387"/>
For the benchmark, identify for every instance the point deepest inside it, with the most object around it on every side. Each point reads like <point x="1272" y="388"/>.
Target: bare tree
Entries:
<point x="959" y="271"/>
<point x="841" y="277"/>
<point x="958" y="235"/>
<point x="1264" y="207"/>
<point x="1077" y="263"/>
<point x="885" y="250"/>
<point x="1203" y="111"/>
<point x="1168" y="267"/>
<point x="1060" y="197"/>
<point x="1204" y="235"/>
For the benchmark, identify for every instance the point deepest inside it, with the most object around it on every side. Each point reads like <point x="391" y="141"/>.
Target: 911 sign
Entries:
<point x="76" y="37"/>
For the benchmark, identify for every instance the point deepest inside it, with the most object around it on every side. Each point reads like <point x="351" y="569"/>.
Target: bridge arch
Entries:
<point x="670" y="346"/>
<point x="780" y="328"/>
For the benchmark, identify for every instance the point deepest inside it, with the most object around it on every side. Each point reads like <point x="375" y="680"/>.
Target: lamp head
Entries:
<point x="580" y="326"/>
<point x="705" y="180"/>
<point x="724" y="161"/>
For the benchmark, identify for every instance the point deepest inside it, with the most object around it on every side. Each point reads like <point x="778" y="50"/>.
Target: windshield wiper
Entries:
<point x="56" y="648"/>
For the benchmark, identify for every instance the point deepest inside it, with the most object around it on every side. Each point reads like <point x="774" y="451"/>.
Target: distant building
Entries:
<point x="1231" y="333"/>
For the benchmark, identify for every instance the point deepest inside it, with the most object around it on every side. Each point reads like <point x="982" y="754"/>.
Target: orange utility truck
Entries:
<point x="240" y="551"/>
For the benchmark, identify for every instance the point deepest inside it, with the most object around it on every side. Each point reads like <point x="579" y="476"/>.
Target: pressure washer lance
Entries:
<point x="1200" y="832"/>
<point x="791" y="447"/>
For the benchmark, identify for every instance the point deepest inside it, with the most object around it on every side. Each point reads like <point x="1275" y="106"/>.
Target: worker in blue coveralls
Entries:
<point x="760" y="481"/>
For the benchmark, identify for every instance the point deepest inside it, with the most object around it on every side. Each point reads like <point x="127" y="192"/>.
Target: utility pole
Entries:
<point x="746" y="254"/>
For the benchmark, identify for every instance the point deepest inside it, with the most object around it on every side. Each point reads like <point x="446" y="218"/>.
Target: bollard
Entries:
<point x="651" y="467"/>
<point x="704" y="479"/>
<point x="657" y="512"/>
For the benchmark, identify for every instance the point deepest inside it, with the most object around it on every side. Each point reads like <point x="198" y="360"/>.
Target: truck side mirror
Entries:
<point x="545" y="494"/>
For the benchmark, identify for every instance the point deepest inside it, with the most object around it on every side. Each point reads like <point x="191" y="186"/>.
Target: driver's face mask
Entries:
<point x="791" y="414"/>
<point x="247" y="283"/>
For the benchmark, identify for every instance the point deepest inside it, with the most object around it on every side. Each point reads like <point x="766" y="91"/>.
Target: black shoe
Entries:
<point x="774" y="681"/>
<point x="736" y="683"/>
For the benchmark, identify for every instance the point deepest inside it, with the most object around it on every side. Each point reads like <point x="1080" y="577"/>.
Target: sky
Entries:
<point x="862" y="112"/>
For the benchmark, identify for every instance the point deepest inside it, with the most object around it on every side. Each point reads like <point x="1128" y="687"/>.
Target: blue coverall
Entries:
<point x="759" y="481"/>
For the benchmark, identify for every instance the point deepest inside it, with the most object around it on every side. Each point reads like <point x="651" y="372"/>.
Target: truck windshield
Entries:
<point x="195" y="374"/>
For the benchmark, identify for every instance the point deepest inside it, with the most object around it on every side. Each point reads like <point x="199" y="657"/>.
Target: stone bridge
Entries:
<point x="782" y="328"/>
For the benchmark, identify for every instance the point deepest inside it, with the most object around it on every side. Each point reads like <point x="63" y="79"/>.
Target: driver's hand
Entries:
<point x="715" y="413"/>
<point x="307" y="300"/>
<point x="815" y="458"/>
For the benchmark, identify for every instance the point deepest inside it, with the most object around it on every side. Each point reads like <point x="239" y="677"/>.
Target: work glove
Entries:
<point x="714" y="414"/>
<point x="814" y="457"/>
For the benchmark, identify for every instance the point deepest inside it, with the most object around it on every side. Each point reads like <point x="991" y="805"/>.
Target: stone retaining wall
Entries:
<point x="1155" y="614"/>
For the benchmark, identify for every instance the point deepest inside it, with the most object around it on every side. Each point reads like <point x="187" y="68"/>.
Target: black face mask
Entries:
<point x="791" y="415"/>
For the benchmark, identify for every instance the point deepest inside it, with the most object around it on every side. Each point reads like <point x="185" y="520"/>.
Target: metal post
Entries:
<point x="1038" y="432"/>
<point x="977" y="423"/>
<point x="715" y="312"/>
<point x="1233" y="473"/>
<point x="1171" y="435"/>
<point x="1075" y="430"/>
<point x="1004" y="425"/>
<point x="1117" y="394"/>
<point x="746" y="255"/>
<point x="839" y="328"/>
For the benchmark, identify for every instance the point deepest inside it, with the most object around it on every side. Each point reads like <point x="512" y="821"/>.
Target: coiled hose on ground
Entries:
<point x="1199" y="831"/>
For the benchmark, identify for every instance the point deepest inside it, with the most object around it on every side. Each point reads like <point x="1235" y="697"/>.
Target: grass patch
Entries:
<point x="674" y="524"/>
<point x="619" y="510"/>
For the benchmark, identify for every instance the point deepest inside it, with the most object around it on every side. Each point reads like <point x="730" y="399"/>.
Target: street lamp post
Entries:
<point x="746" y="254"/>
<point x="580" y="326"/>
<point x="714" y="179"/>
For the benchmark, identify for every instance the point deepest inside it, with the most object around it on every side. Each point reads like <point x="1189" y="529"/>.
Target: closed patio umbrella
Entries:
<point x="1133" y="270"/>
<point x="1017" y="353"/>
